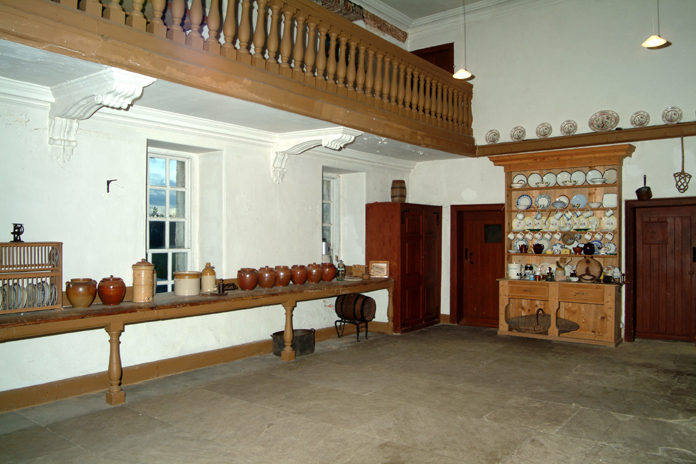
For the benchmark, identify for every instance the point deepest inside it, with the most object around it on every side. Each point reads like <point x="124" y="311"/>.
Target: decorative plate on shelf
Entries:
<point x="593" y="174"/>
<point x="610" y="176"/>
<point x="518" y="225"/>
<point x="611" y="248"/>
<point x="550" y="178"/>
<point x="597" y="246"/>
<point x="545" y="243"/>
<point x="534" y="179"/>
<point x="492" y="136"/>
<point x="557" y="248"/>
<point x="553" y="224"/>
<point x="528" y="222"/>
<point x="640" y="119"/>
<point x="524" y="202"/>
<point x="594" y="222"/>
<point x="569" y="127"/>
<point x="520" y="241"/>
<point x="609" y="223"/>
<point x="672" y="115"/>
<point x="579" y="201"/>
<point x="610" y="200"/>
<point x="604" y="120"/>
<point x="583" y="223"/>
<point x="519" y="178"/>
<point x="564" y="199"/>
<point x="579" y="177"/>
<point x="543" y="130"/>
<point x="543" y="201"/>
<point x="517" y="133"/>
<point x="562" y="177"/>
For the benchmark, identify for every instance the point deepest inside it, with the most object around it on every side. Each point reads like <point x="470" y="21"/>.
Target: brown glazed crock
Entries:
<point x="299" y="274"/>
<point x="329" y="272"/>
<point x="247" y="278"/>
<point x="314" y="273"/>
<point x="267" y="277"/>
<point x="111" y="290"/>
<point x="81" y="292"/>
<point x="283" y="276"/>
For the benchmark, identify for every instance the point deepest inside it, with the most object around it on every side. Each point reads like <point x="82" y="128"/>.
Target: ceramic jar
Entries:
<point x="143" y="281"/>
<point x="111" y="290"/>
<point x="81" y="292"/>
<point x="328" y="272"/>
<point x="208" y="279"/>
<point x="538" y="248"/>
<point x="247" y="278"/>
<point x="299" y="274"/>
<point x="588" y="249"/>
<point x="187" y="283"/>
<point x="283" y="276"/>
<point x="267" y="277"/>
<point x="314" y="273"/>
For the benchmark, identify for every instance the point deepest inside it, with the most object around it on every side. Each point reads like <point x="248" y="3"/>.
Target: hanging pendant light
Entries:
<point x="655" y="41"/>
<point x="462" y="73"/>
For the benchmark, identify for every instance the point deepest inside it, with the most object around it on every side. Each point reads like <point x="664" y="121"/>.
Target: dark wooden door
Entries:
<point x="432" y="265"/>
<point x="439" y="55"/>
<point x="478" y="258"/>
<point x="412" y="267"/>
<point x="665" y="282"/>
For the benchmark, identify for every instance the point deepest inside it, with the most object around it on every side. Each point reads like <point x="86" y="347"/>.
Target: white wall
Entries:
<point x="244" y="220"/>
<point x="566" y="60"/>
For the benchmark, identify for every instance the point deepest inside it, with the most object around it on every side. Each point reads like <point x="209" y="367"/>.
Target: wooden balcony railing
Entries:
<point x="296" y="56"/>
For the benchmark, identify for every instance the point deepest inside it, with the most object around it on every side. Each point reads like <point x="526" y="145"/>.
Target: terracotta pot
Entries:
<point x="267" y="277"/>
<point x="329" y="272"/>
<point x="314" y="273"/>
<point x="283" y="276"/>
<point x="299" y="274"/>
<point x="577" y="250"/>
<point x="247" y="278"/>
<point x="111" y="290"/>
<point x="81" y="292"/>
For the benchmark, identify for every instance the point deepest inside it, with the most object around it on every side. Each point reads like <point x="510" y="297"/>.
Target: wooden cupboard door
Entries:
<point x="665" y="281"/>
<point x="432" y="267"/>
<point x="411" y="267"/>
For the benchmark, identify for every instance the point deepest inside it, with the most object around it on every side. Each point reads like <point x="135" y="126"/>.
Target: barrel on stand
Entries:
<point x="398" y="191"/>
<point x="356" y="309"/>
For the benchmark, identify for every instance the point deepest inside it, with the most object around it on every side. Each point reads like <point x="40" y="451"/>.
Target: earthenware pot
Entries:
<point x="538" y="248"/>
<point x="329" y="272"/>
<point x="283" y="276"/>
<point x="111" y="290"/>
<point x="144" y="281"/>
<point x="81" y="292"/>
<point x="208" y="279"/>
<point x="267" y="277"/>
<point x="247" y="278"/>
<point x="588" y="249"/>
<point x="314" y="273"/>
<point x="299" y="274"/>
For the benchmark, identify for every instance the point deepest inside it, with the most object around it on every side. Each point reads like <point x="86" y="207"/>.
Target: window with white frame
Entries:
<point x="329" y="213"/>
<point x="168" y="215"/>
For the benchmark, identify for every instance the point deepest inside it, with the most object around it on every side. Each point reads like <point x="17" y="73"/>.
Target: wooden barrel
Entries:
<point x="398" y="191"/>
<point x="356" y="307"/>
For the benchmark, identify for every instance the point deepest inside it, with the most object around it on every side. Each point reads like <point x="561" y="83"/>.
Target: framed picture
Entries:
<point x="379" y="268"/>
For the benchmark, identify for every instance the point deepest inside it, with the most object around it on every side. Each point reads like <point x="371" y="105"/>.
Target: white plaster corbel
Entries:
<point x="298" y="142"/>
<point x="81" y="98"/>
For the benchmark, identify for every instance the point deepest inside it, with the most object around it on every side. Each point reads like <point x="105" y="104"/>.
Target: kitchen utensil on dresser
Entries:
<point x="682" y="178"/>
<point x="208" y="279"/>
<point x="143" y="281"/>
<point x="644" y="193"/>
<point x="588" y="270"/>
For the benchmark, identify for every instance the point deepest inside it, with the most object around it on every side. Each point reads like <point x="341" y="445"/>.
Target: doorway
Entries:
<point x="477" y="260"/>
<point x="441" y="56"/>
<point x="661" y="268"/>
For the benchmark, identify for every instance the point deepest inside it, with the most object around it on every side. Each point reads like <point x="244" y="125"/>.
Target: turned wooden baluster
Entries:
<point x="115" y="395"/>
<point x="273" y="41"/>
<point x="438" y="99"/>
<point x="469" y="116"/>
<point x="421" y="96"/>
<point x="450" y="109"/>
<point x="212" y="44"/>
<point x="259" y="39"/>
<point x="310" y="52"/>
<point x="407" y="89"/>
<point x="394" y="92"/>
<point x="461" y="112"/>
<point x="244" y="33"/>
<point x="445" y="107"/>
<point x="400" y="92"/>
<point x="194" y="37"/>
<point x="176" y="32"/>
<point x="94" y="7"/>
<point x="115" y="13"/>
<point x="428" y="99"/>
<point x="299" y="49"/>
<point x="360" y="78"/>
<point x="386" y="89"/>
<point x="286" y="41"/>
<point x="321" y="55"/>
<point x="136" y="20"/>
<point x="416" y="97"/>
<point x="370" y="75"/>
<point x="455" y="109"/>
<point x="331" y="65"/>
<point x="229" y="28"/>
<point x="341" y="70"/>
<point x="379" y="56"/>
<point x="350" y="74"/>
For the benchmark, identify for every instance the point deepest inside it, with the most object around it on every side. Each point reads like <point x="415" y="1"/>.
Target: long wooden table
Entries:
<point x="165" y="306"/>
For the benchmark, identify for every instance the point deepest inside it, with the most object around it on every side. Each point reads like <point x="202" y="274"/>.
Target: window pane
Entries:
<point x="178" y="262"/>
<point x="159" y="260"/>
<point x="162" y="288"/>
<point x="157" y="203"/>
<point x="326" y="213"/>
<point x="177" y="173"/>
<point x="326" y="190"/>
<point x="326" y="233"/>
<point x="157" y="171"/>
<point x="177" y="204"/>
<point x="157" y="234"/>
<point x="177" y="235"/>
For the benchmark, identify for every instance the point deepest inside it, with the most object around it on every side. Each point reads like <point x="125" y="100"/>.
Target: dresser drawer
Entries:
<point x="587" y="294"/>
<point x="530" y="291"/>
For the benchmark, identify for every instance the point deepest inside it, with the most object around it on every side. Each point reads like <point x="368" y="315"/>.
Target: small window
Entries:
<point x="168" y="217"/>
<point x="329" y="212"/>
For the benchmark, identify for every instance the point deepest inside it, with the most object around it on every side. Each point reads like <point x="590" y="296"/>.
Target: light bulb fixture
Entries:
<point x="654" y="40"/>
<point x="462" y="73"/>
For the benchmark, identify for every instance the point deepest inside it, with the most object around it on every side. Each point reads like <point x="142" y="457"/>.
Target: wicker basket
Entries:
<point x="540" y="323"/>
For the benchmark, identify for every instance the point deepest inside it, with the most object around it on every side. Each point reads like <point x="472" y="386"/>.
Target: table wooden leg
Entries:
<point x="115" y="395"/>
<point x="390" y="310"/>
<point x="288" y="353"/>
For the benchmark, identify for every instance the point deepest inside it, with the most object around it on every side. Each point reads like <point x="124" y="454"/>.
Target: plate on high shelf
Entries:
<point x="579" y="201"/>
<point x="545" y="243"/>
<point x="492" y="136"/>
<point x="54" y="256"/>
<point x="543" y="130"/>
<point x="550" y="178"/>
<point x="534" y="179"/>
<point x="519" y="178"/>
<point x="564" y="199"/>
<point x="528" y="222"/>
<point x="593" y="174"/>
<point x="569" y="127"/>
<point x="603" y="121"/>
<point x="610" y="200"/>
<point x="517" y="133"/>
<point x="579" y="177"/>
<point x="609" y="223"/>
<point x="557" y="248"/>
<point x="553" y="224"/>
<point x="524" y="202"/>
<point x="610" y="175"/>
<point x="672" y="115"/>
<point x="640" y="119"/>
<point x="611" y="248"/>
<point x="543" y="201"/>
<point x="594" y="222"/>
<point x="562" y="177"/>
<point x="519" y="241"/>
<point x="518" y="225"/>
